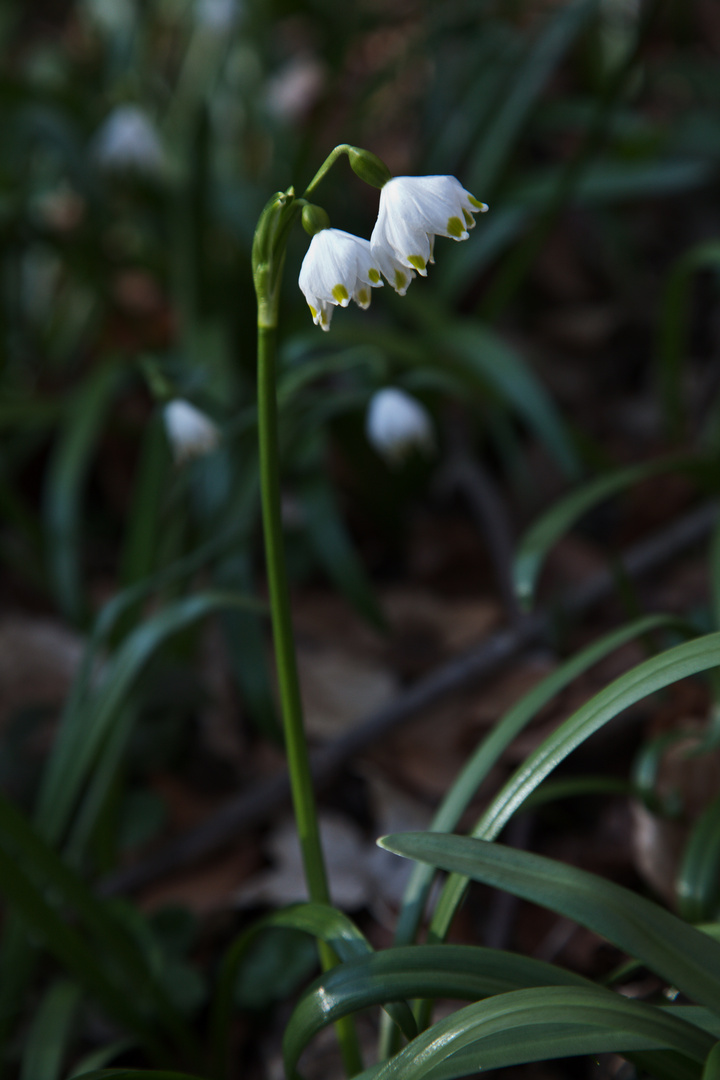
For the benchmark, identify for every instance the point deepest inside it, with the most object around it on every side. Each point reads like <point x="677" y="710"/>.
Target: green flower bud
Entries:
<point x="268" y="251"/>
<point x="368" y="167"/>
<point x="314" y="219"/>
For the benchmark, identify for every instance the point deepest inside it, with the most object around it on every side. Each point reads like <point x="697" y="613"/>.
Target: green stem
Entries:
<point x="327" y="164"/>
<point x="291" y="704"/>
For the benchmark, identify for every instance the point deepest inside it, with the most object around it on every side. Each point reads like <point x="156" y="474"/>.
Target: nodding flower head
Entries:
<point x="190" y="432"/>
<point x="338" y="267"/>
<point x="413" y="211"/>
<point x="397" y="423"/>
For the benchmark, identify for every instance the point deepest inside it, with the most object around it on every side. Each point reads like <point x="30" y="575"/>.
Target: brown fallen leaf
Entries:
<point x="38" y="661"/>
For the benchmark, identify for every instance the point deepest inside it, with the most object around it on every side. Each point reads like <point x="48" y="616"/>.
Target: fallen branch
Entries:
<point x="260" y="801"/>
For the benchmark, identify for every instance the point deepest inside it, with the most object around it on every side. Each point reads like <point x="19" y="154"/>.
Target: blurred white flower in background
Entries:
<point x="110" y="16"/>
<point x="128" y="141"/>
<point x="397" y="423"/>
<point x="295" y="88"/>
<point x="337" y="267"/>
<point x="413" y="211"/>
<point x="218" y="15"/>
<point x="190" y="432"/>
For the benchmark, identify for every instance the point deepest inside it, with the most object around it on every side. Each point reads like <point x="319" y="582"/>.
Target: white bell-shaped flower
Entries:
<point x="397" y="423"/>
<point x="337" y="267"/>
<point x="128" y="141"/>
<point x="190" y="432"/>
<point x="413" y="211"/>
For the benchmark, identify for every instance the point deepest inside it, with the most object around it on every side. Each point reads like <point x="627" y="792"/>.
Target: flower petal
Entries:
<point x="337" y="267"/>
<point x="413" y="211"/>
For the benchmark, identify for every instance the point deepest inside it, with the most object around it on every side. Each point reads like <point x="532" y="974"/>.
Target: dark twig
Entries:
<point x="257" y="804"/>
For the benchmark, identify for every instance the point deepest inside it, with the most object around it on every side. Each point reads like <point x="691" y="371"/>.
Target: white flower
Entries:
<point x="413" y="211"/>
<point x="218" y="15"/>
<point x="396" y="424"/>
<point x="190" y="432"/>
<point x="336" y="267"/>
<point x="128" y="141"/>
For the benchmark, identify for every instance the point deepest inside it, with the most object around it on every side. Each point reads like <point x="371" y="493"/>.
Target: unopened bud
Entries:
<point x="368" y="167"/>
<point x="314" y="219"/>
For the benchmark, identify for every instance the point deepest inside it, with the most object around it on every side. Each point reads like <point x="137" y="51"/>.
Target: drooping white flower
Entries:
<point x="190" y="432"/>
<point x="128" y="141"/>
<point x="337" y="267"/>
<point x="397" y="423"/>
<point x="413" y="211"/>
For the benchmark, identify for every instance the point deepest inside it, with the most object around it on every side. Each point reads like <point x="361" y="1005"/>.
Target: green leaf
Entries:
<point x="485" y="356"/>
<point x="96" y="1059"/>
<point x="491" y="748"/>
<point x="67" y="471"/>
<point x="698" y="883"/>
<point x="712" y="1065"/>
<point x="528" y="79"/>
<point x="660" y="671"/>
<point x="322" y="922"/>
<point x="80" y="961"/>
<point x="685" y="957"/>
<point x="83" y="732"/>
<point x="414" y="971"/>
<point x="540" y="1025"/>
<point x="334" y="549"/>
<point x="278" y="962"/>
<point x="565" y="513"/>
<point x="52" y="878"/>
<point x="672" y="337"/>
<point x="49" y="1032"/>
<point x="151" y="479"/>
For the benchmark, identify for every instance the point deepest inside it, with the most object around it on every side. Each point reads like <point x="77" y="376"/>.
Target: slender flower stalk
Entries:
<point x="285" y="659"/>
<point x="275" y="223"/>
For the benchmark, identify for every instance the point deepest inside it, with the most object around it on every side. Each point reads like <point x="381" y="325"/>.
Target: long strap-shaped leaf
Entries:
<point x="686" y="957"/>
<point x="83" y="735"/>
<point x="52" y="877"/>
<point x="698" y="883"/>
<point x="321" y="921"/>
<point x="413" y="971"/>
<point x="76" y="957"/>
<point x="47" y="1038"/>
<point x="654" y="674"/>
<point x="541" y="1024"/>
<point x="492" y="746"/>
<point x="564" y="514"/>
